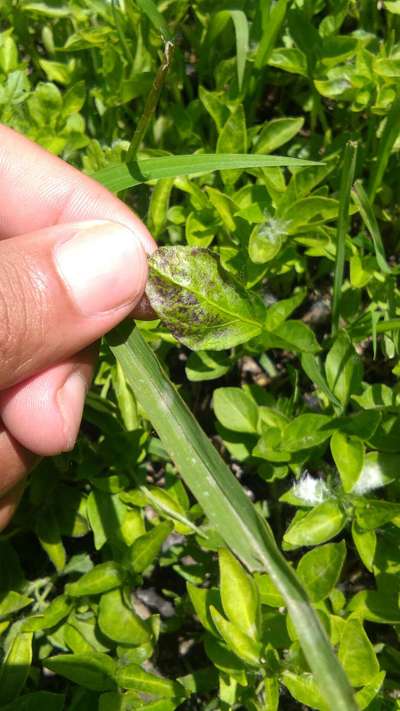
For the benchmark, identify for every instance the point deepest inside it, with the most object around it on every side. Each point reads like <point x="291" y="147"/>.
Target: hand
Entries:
<point x="72" y="265"/>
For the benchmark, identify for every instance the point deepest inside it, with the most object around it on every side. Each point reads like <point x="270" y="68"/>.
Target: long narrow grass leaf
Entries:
<point x="150" y="9"/>
<point x="224" y="502"/>
<point x="368" y="217"/>
<point x="389" y="135"/>
<point x="348" y="169"/>
<point x="268" y="39"/>
<point x="120" y="176"/>
<point x="241" y="26"/>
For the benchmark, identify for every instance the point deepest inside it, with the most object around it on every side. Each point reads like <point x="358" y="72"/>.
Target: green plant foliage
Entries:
<point x="140" y="571"/>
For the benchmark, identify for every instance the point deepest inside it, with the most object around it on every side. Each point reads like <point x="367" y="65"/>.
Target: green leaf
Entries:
<point x="133" y="677"/>
<point x="266" y="241"/>
<point x="235" y="410"/>
<point x="343" y="369"/>
<point x="147" y="548"/>
<point x="319" y="570"/>
<point x="372" y="513"/>
<point x="312" y="368"/>
<point x="277" y="313"/>
<point x="292" y="335"/>
<point x="157" y="20"/>
<point x="102" y="578"/>
<point x="49" y="535"/>
<point x="319" y="525"/>
<point x="348" y="455"/>
<point x="365" y="542"/>
<point x="303" y="688"/>
<point x="274" y="20"/>
<point x="202" y="599"/>
<point x="245" y="647"/>
<point x="365" y="696"/>
<point x="277" y="132"/>
<point x="207" y="365"/>
<point x="95" y="671"/>
<point x="379" y="469"/>
<point x="11" y="602"/>
<point x="306" y="431"/>
<point x="368" y="217"/>
<point x="224" y="659"/>
<point x="357" y="653"/>
<point x="346" y="182"/>
<point x="119" y="622"/>
<point x="241" y="26"/>
<point x="54" y="613"/>
<point x="201" y="305"/>
<point x="239" y="595"/>
<point x="120" y="176"/>
<point x="15" y="667"/>
<point x="388" y="138"/>
<point x="393" y="6"/>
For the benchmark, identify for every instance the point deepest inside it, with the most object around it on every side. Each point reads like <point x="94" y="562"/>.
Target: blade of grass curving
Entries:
<point x="120" y="176"/>
<point x="366" y="326"/>
<point x="224" y="502"/>
<point x="389" y="135"/>
<point x="275" y="20"/>
<point x="241" y="26"/>
<point x="151" y="10"/>
<point x="348" y="170"/>
<point x="360" y="198"/>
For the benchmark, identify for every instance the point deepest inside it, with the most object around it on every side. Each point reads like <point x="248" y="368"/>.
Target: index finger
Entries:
<point x="38" y="190"/>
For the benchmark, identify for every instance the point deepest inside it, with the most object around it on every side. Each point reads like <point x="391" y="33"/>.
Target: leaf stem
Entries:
<point x="151" y="102"/>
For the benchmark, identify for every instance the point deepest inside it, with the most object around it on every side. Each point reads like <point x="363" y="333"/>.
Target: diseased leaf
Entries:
<point x="201" y="305"/>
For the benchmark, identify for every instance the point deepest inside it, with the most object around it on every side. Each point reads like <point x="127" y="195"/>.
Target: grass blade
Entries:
<point x="368" y="217"/>
<point x="275" y="21"/>
<point x="389" y="135"/>
<point x="150" y="9"/>
<point x="241" y="25"/>
<point x="348" y="170"/>
<point x="226" y="505"/>
<point x="121" y="176"/>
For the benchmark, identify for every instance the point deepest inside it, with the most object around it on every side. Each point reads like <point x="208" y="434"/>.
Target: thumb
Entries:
<point x="62" y="288"/>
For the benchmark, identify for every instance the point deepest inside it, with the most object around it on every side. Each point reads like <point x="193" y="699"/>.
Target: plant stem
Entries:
<point x="225" y="503"/>
<point x="151" y="102"/>
<point x="348" y="170"/>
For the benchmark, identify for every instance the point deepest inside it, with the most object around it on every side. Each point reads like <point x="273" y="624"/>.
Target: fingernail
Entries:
<point x="103" y="266"/>
<point x="70" y="400"/>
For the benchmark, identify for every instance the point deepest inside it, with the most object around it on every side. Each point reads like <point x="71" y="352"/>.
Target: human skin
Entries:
<point x="72" y="265"/>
